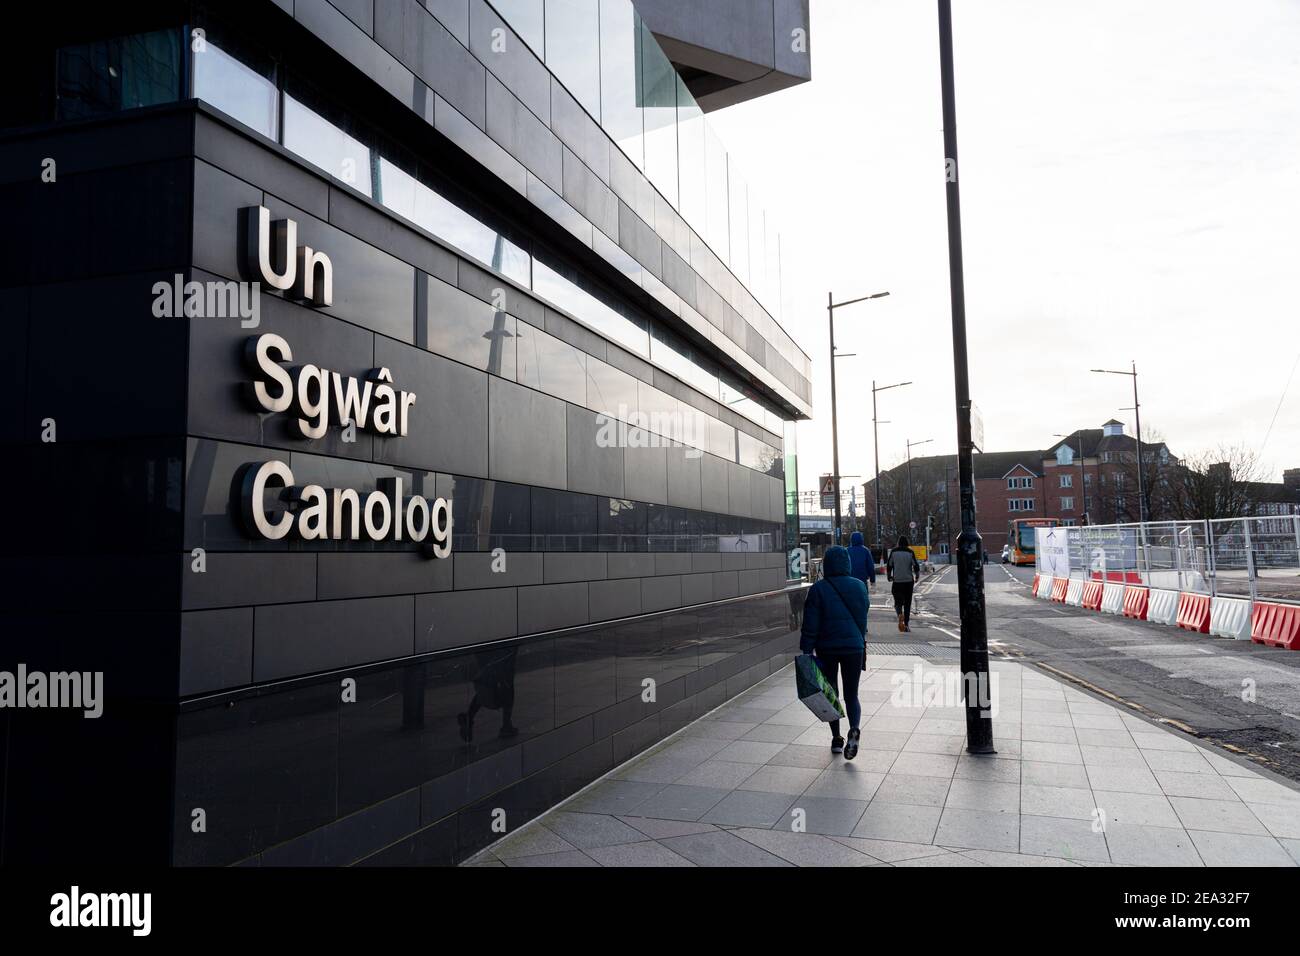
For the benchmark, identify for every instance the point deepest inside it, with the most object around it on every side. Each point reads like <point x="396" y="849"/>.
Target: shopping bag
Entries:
<point x="815" y="690"/>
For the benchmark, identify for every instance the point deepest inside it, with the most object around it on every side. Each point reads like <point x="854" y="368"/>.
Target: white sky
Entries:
<point x="1130" y="189"/>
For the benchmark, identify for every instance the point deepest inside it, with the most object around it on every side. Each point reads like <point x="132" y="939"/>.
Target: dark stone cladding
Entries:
<point x="516" y="119"/>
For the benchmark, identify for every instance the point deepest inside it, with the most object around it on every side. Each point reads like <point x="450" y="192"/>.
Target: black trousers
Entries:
<point x="849" y="667"/>
<point x="903" y="599"/>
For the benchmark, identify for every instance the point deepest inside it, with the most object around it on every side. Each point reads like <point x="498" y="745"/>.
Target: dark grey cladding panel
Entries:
<point x="553" y="204"/>
<point x="561" y="567"/>
<point x="453" y="125"/>
<point x="714" y="484"/>
<point x="760" y="500"/>
<point x="706" y="561"/>
<point x="548" y="607"/>
<point x="697" y="589"/>
<point x="579" y="336"/>
<point x="726" y="584"/>
<point x="250" y="159"/>
<point x="452" y="14"/>
<point x="234" y="579"/>
<point x="672" y="563"/>
<point x="630" y="185"/>
<point x="766" y="579"/>
<point x="509" y="59"/>
<point x="357" y="574"/>
<point x="612" y="599"/>
<point x="218" y="406"/>
<point x="382" y="229"/>
<point x="292" y="639"/>
<point x="484" y="285"/>
<point x="360" y="12"/>
<point x="640" y="240"/>
<point x="661" y="593"/>
<point x="448" y="423"/>
<point x="130" y="140"/>
<point x="622" y="359"/>
<point x="341" y="34"/>
<point x="461" y="618"/>
<point x="216" y="650"/>
<point x="13" y="365"/>
<point x="630" y="565"/>
<point x="593" y="467"/>
<point x="681" y="278"/>
<point x="739" y="500"/>
<point x="789" y="16"/>
<point x="526" y="435"/>
<point x="684" y="482"/>
<point x="645" y="471"/>
<point x="585" y="192"/>
<point x="734" y="561"/>
<point x="579" y="131"/>
<point x="408" y="31"/>
<point x="474" y="570"/>
<point x="523" y="135"/>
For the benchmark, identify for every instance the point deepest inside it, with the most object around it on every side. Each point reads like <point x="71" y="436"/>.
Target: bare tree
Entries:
<point x="1218" y="483"/>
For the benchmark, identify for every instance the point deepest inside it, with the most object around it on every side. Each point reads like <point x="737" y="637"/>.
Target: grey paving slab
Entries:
<point x="721" y="848"/>
<point x="1237" y="849"/>
<point x="979" y="829"/>
<point x="834" y="816"/>
<point x="1069" y="802"/>
<point x="802" y="755"/>
<point x="1282" y="821"/>
<point x="774" y="733"/>
<point x="691" y="748"/>
<point x="750" y="808"/>
<point x="1128" y="779"/>
<point x="1209" y="786"/>
<point x="564" y="859"/>
<point x="805" y="849"/>
<point x="912" y="790"/>
<point x="1001" y="858"/>
<point x="1050" y="752"/>
<point x="719" y="729"/>
<point x="646" y="853"/>
<point x="723" y="774"/>
<point x="675" y="802"/>
<point x="1066" y="839"/>
<point x="1262" y="790"/>
<point x="1112" y="756"/>
<point x="588" y="830"/>
<point x="1140" y="845"/>
<point x="1224" y="816"/>
<point x="657" y="769"/>
<point x="952" y="859"/>
<point x="925" y="765"/>
<point x="661" y="829"/>
<point x="776" y="779"/>
<point x="952" y="744"/>
<point x="613" y="796"/>
<point x="891" y="851"/>
<point x="1147" y="809"/>
<point x="1048" y="734"/>
<point x="1293" y="848"/>
<point x="1158" y="740"/>
<point x="1042" y="774"/>
<point x="847" y="781"/>
<point x="530" y="841"/>
<point x="985" y="768"/>
<point x="967" y="794"/>
<point x="750" y="751"/>
<point x="898" y="822"/>
<point x="1104" y="738"/>
<point x="1179" y="760"/>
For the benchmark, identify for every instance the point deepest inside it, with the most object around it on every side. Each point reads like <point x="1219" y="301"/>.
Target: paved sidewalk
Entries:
<point x="729" y="789"/>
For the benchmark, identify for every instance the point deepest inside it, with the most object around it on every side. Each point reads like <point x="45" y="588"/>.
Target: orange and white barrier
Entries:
<point x="1194" y="612"/>
<point x="1230" y="617"/>
<point x="1074" y="593"/>
<point x="1092" y="591"/>
<point x="1112" y="597"/>
<point x="1277" y="625"/>
<point x="1163" y="606"/>
<point x="1044" y="589"/>
<point x="1059" y="588"/>
<point x="1135" y="602"/>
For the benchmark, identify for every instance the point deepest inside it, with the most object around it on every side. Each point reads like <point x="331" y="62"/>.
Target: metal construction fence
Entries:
<point x="1256" y="558"/>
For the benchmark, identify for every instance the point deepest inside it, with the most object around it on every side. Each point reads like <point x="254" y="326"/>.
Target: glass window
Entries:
<point x="487" y="514"/>
<point x="564" y="520"/>
<point x="722" y="439"/>
<point x="550" y="365"/>
<point x="573" y="48"/>
<point x="755" y="454"/>
<point x="323" y="144"/>
<point x="738" y="212"/>
<point x="620" y="78"/>
<point x="659" y="99"/>
<point x="693" y="185"/>
<point x="563" y="290"/>
<point x="527" y="18"/>
<point x="236" y="82"/>
<point x="468" y="330"/>
<point x="610" y="391"/>
<point x="718" y="233"/>
<point x="122" y="73"/>
<point x="674" y="355"/>
<point x="622" y="525"/>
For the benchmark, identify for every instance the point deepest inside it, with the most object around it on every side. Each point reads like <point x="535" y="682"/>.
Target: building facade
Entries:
<point x="482" y="488"/>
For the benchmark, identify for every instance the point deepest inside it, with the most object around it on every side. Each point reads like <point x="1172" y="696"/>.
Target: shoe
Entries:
<point x="837" y="745"/>
<point x="901" y="625"/>
<point x="851" y="748"/>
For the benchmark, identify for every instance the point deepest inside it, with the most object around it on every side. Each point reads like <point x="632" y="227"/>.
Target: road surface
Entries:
<point x="1241" y="696"/>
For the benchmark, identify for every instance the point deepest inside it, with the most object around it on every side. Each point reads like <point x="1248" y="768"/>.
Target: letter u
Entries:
<point x="258" y="247"/>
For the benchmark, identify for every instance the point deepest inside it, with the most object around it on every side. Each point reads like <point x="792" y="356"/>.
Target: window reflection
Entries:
<point x="325" y="145"/>
<point x="549" y="365"/>
<point x="631" y="333"/>
<point x="573" y="48"/>
<point x="659" y="101"/>
<point x="469" y="330"/>
<point x="528" y="19"/>
<point x="121" y="73"/>
<point x="620" y="78"/>
<point x="564" y="520"/>
<point x="233" y="86"/>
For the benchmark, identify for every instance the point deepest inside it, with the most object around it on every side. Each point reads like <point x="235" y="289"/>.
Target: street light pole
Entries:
<point x="875" y="430"/>
<point x="831" y="306"/>
<point x="911" y="496"/>
<point x="1137" y="414"/>
<point x="970" y="567"/>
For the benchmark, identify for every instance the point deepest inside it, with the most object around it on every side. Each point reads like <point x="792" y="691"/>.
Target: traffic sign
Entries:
<point x="828" y="492"/>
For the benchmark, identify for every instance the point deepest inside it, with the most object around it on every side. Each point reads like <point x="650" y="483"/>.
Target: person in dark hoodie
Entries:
<point x="862" y="564"/>
<point x="835" y="632"/>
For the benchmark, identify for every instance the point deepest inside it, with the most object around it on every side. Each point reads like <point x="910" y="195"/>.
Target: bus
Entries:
<point x="1021" y="538"/>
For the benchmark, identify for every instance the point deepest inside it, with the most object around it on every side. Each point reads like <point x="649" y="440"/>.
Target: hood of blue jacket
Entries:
<point x="835" y="562"/>
<point x="855" y="539"/>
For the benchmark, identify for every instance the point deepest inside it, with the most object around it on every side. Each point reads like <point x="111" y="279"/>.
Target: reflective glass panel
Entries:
<point x="119" y="74"/>
<point x="325" y="145"/>
<point x="549" y="365"/>
<point x="620" y="78"/>
<point x="562" y="290"/>
<point x="691" y="164"/>
<point x="233" y="86"/>
<point x="659" y="101"/>
<point x="528" y="19"/>
<point x="468" y="330"/>
<point x="573" y="48"/>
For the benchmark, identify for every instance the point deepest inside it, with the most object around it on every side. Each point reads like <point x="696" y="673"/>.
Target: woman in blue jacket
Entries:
<point x="835" y="631"/>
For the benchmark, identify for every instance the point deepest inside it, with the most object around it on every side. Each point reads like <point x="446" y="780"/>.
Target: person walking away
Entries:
<point x="903" y="569"/>
<point x="862" y="565"/>
<point x="835" y="632"/>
